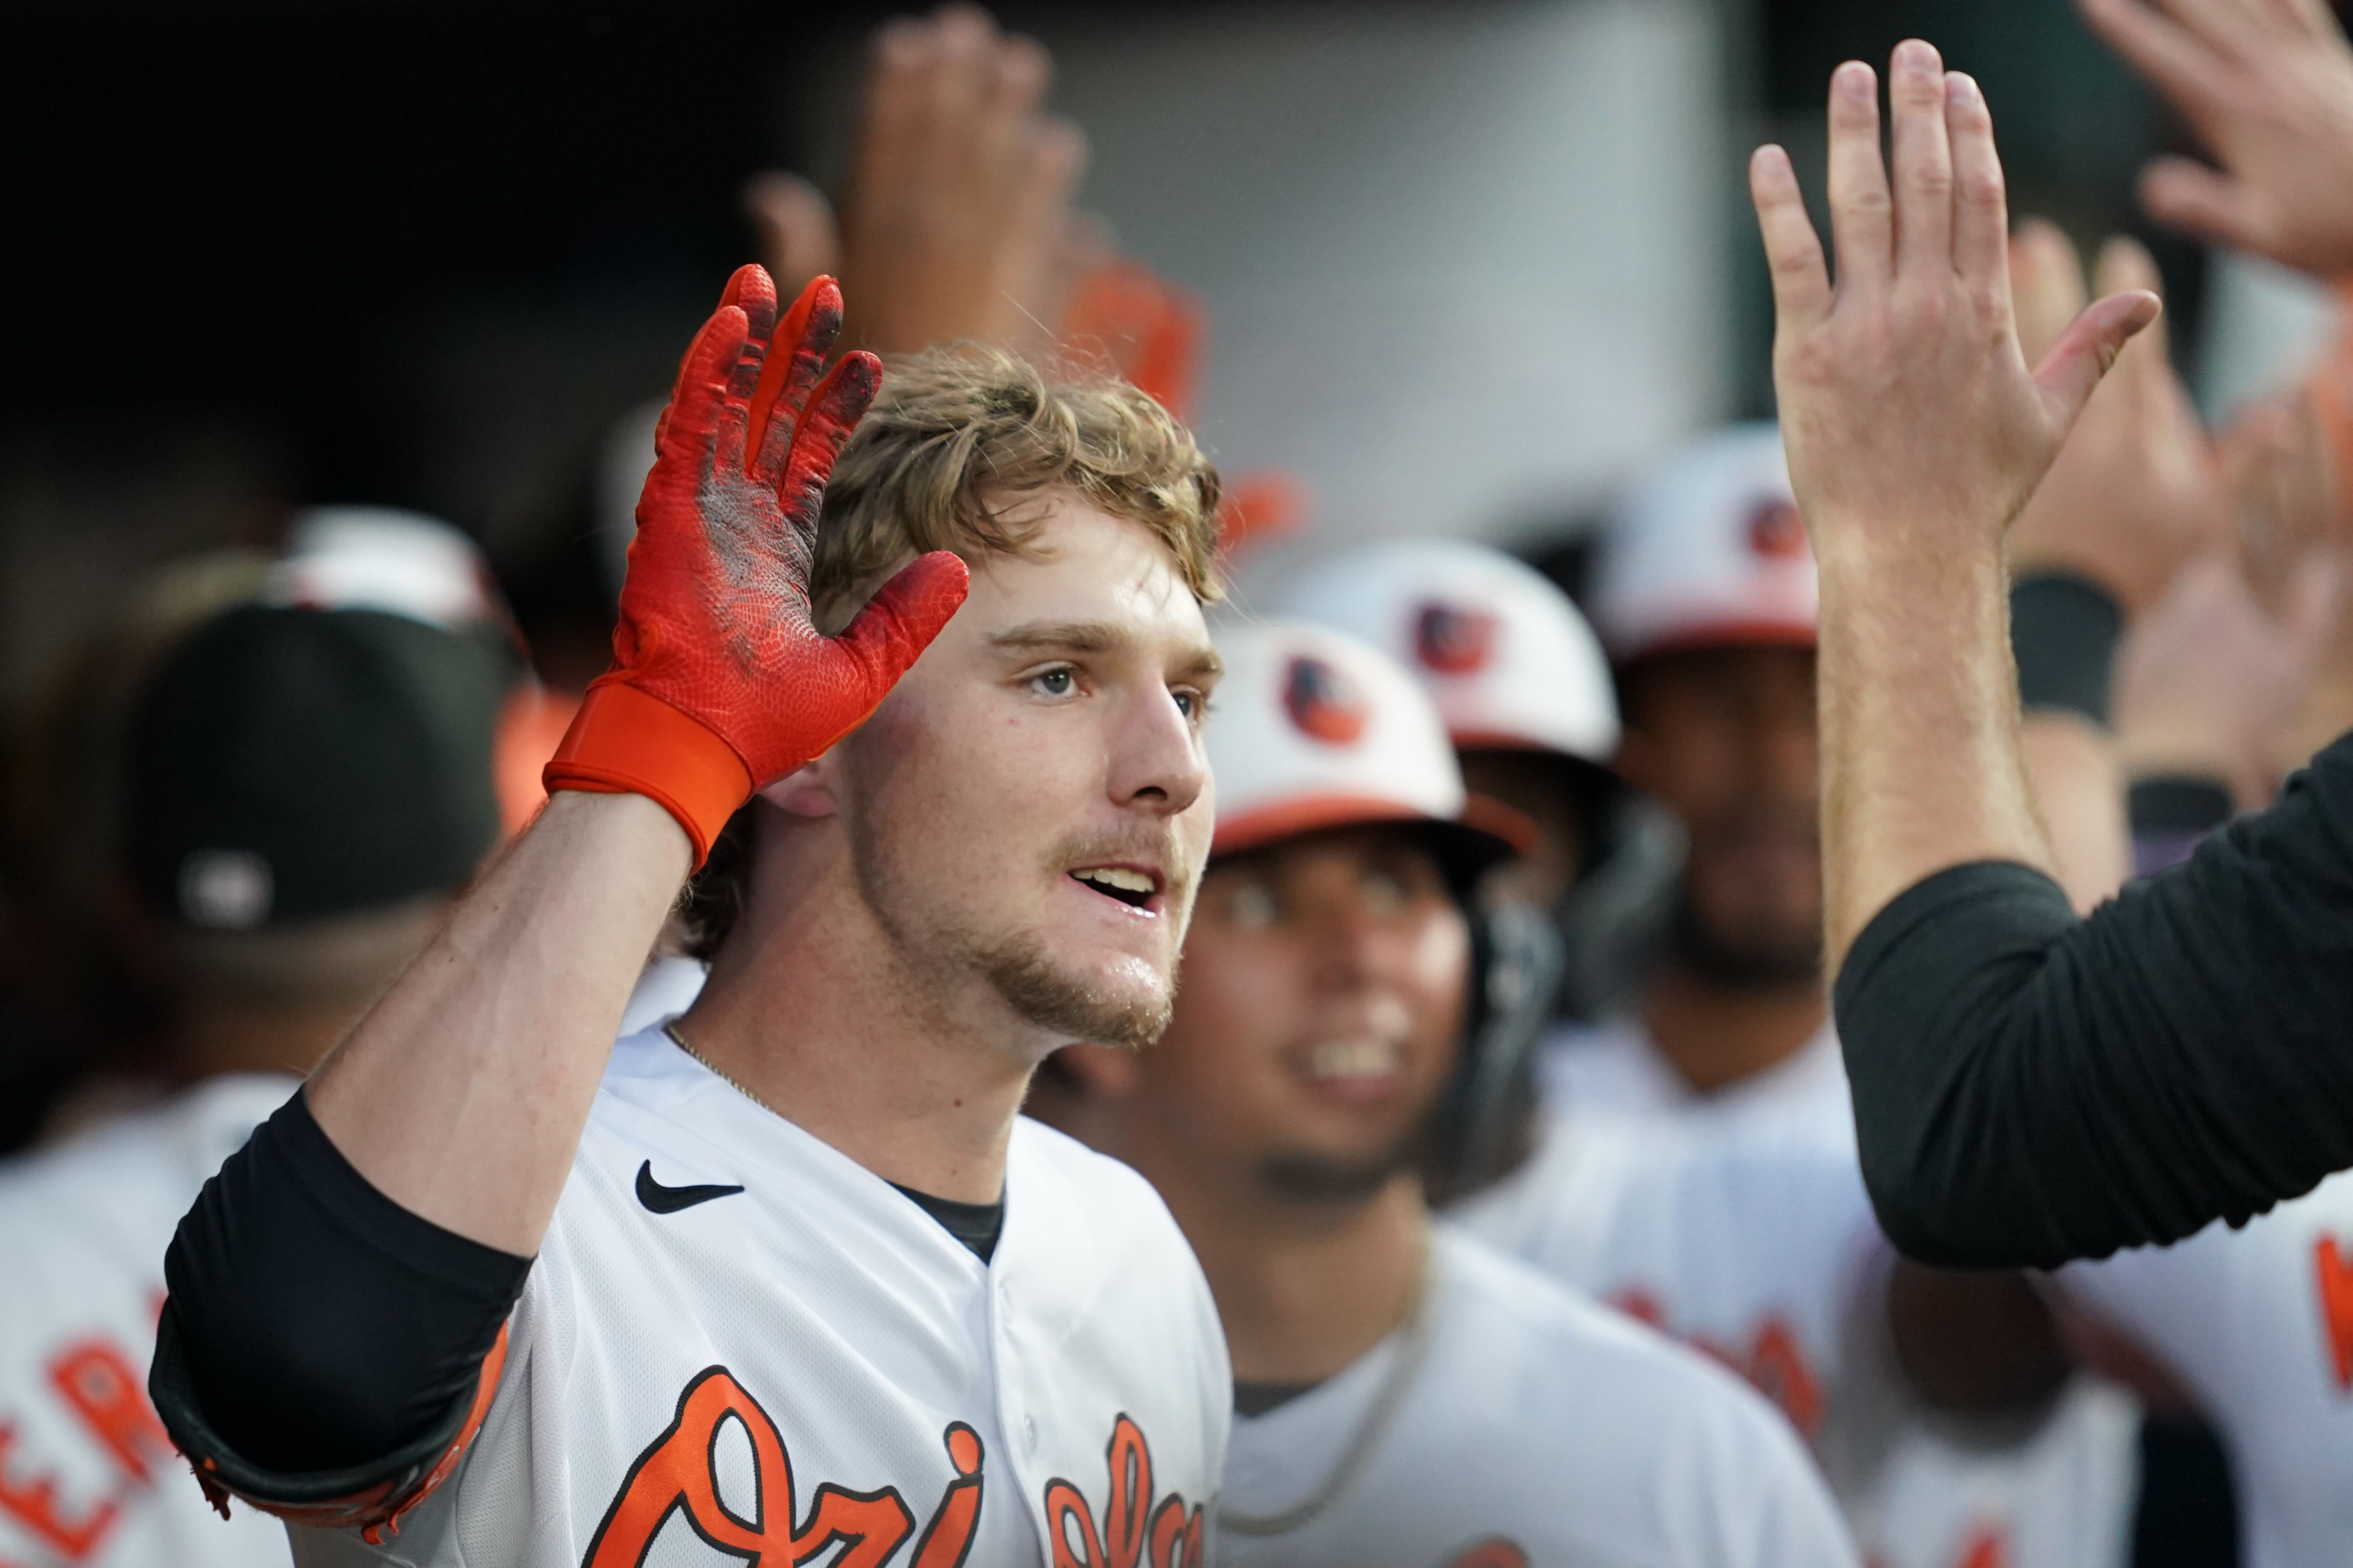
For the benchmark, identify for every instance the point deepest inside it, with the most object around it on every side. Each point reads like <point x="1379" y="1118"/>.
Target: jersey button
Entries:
<point x="1029" y="1434"/>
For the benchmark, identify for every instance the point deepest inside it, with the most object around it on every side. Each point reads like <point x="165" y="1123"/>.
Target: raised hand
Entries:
<point x="2211" y="681"/>
<point x="957" y="221"/>
<point x="2268" y="86"/>
<point x="2135" y="489"/>
<point x="721" y="682"/>
<point x="1915" y="433"/>
<point x="1911" y="418"/>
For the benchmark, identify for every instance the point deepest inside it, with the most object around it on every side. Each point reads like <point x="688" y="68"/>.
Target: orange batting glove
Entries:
<point x="720" y="682"/>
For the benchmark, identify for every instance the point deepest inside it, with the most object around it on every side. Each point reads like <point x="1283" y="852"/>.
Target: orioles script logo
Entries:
<point x="679" y="1473"/>
<point x="1133" y="1534"/>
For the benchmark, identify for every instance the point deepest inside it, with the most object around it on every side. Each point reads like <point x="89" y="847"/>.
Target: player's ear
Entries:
<point x="1102" y="1072"/>
<point x="810" y="790"/>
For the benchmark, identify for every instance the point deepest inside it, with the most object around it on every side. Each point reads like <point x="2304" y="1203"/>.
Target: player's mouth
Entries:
<point x="1356" y="1067"/>
<point x="1136" y="887"/>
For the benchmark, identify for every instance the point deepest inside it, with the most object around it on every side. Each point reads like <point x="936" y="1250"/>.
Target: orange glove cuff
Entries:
<point x="623" y="742"/>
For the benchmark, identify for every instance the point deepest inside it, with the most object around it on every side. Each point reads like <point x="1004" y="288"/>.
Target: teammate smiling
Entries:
<point x="801" y="1277"/>
<point x="1406" y="1396"/>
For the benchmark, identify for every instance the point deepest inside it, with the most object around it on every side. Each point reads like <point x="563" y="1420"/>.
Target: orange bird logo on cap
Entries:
<point x="1452" y="640"/>
<point x="1775" y="530"/>
<point x="1322" y="702"/>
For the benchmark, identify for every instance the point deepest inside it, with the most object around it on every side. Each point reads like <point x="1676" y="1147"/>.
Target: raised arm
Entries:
<point x="336" y="1292"/>
<point x="1916" y="434"/>
<point x="2029" y="1086"/>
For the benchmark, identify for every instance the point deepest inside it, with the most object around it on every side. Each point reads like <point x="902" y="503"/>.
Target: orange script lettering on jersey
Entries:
<point x="2335" y="1278"/>
<point x="1774" y="1363"/>
<point x="678" y="1473"/>
<point x="1133" y="1532"/>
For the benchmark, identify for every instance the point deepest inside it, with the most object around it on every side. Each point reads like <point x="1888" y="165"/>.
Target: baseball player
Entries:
<point x="1699" y="1167"/>
<point x="785" y="1276"/>
<point x="304" y="789"/>
<point x="1405" y="1395"/>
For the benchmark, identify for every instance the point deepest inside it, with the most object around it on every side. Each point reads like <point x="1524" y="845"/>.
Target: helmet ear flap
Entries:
<point x="1485" y="1125"/>
<point x="1615" y="921"/>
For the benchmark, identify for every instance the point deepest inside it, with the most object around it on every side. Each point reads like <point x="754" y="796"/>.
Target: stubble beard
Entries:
<point x="1015" y="965"/>
<point x="1302" y="1175"/>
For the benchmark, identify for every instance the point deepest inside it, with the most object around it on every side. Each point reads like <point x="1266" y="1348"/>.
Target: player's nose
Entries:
<point x="1157" y="761"/>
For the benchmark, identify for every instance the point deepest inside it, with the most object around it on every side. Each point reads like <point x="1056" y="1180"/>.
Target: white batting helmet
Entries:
<point x="1707" y="551"/>
<point x="1501" y="650"/>
<point x="1314" y="729"/>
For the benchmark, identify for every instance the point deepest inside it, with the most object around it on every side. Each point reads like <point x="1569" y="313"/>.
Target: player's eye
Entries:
<point x="1061" y="681"/>
<point x="1193" y="704"/>
<point x="1384" y="891"/>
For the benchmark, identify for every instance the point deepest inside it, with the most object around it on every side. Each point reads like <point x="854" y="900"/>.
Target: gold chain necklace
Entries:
<point x="1413" y="1349"/>
<point x="670" y="1028"/>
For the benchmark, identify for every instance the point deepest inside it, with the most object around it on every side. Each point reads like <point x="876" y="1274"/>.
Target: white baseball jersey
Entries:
<point x="1536" y="1429"/>
<point x="738" y="1343"/>
<point x="86" y="1475"/>
<point x="2259" y="1323"/>
<point x="1738" y="1223"/>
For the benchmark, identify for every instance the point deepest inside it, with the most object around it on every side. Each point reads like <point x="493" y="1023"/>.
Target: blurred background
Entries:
<point x="1465" y="268"/>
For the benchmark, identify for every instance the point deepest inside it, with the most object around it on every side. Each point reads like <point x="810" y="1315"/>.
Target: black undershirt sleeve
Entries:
<point x="2030" y="1088"/>
<point x="318" y="1337"/>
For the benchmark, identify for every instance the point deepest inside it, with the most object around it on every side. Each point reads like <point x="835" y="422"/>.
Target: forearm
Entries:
<point x="1922" y="762"/>
<point x="2079" y="790"/>
<point x="462" y="1095"/>
<point x="2030" y="1088"/>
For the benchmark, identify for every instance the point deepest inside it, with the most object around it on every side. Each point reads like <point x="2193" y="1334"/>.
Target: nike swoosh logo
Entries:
<point x="669" y="1200"/>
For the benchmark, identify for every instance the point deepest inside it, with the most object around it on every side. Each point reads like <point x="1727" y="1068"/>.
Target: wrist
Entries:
<point x="2064" y="631"/>
<point x="625" y="741"/>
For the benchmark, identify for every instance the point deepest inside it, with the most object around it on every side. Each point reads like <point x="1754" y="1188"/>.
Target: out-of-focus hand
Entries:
<point x="1912" y="424"/>
<point x="2268" y="86"/>
<point x="2134" y="490"/>
<point x="957" y="220"/>
<point x="2210" y="681"/>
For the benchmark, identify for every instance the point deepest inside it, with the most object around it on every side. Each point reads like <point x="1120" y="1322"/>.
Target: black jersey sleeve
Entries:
<point x="323" y="1353"/>
<point x="2030" y="1088"/>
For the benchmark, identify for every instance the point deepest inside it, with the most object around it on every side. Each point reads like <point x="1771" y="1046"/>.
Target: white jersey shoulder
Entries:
<point x="86" y="1475"/>
<point x="2259" y="1322"/>
<point x="736" y="1343"/>
<point x="1616" y="1070"/>
<point x="1536" y="1429"/>
<point x="1738" y="1223"/>
<point x="1752" y="1241"/>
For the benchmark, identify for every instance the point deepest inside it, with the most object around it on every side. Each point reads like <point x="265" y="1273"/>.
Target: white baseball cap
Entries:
<point x="1707" y="551"/>
<point x="1313" y="729"/>
<point x="1506" y="658"/>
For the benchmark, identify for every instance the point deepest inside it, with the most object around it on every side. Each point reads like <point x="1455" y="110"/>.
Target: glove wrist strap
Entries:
<point x="624" y="742"/>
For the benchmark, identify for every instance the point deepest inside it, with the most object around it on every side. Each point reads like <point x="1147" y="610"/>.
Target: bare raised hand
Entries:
<point x="957" y="221"/>
<point x="2268" y="86"/>
<point x="2134" y="490"/>
<point x="1911" y="418"/>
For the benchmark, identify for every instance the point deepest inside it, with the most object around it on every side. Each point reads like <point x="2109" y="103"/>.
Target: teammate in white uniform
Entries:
<point x="307" y="787"/>
<point x="1698" y="1168"/>
<point x="1408" y="1395"/>
<point x="803" y="1282"/>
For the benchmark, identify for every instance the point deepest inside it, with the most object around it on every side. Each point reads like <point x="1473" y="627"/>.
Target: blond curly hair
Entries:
<point x="961" y="444"/>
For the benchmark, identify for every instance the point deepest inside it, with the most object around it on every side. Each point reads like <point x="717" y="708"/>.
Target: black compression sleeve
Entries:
<point x="314" y="1325"/>
<point x="2030" y="1088"/>
<point x="2064" y="631"/>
